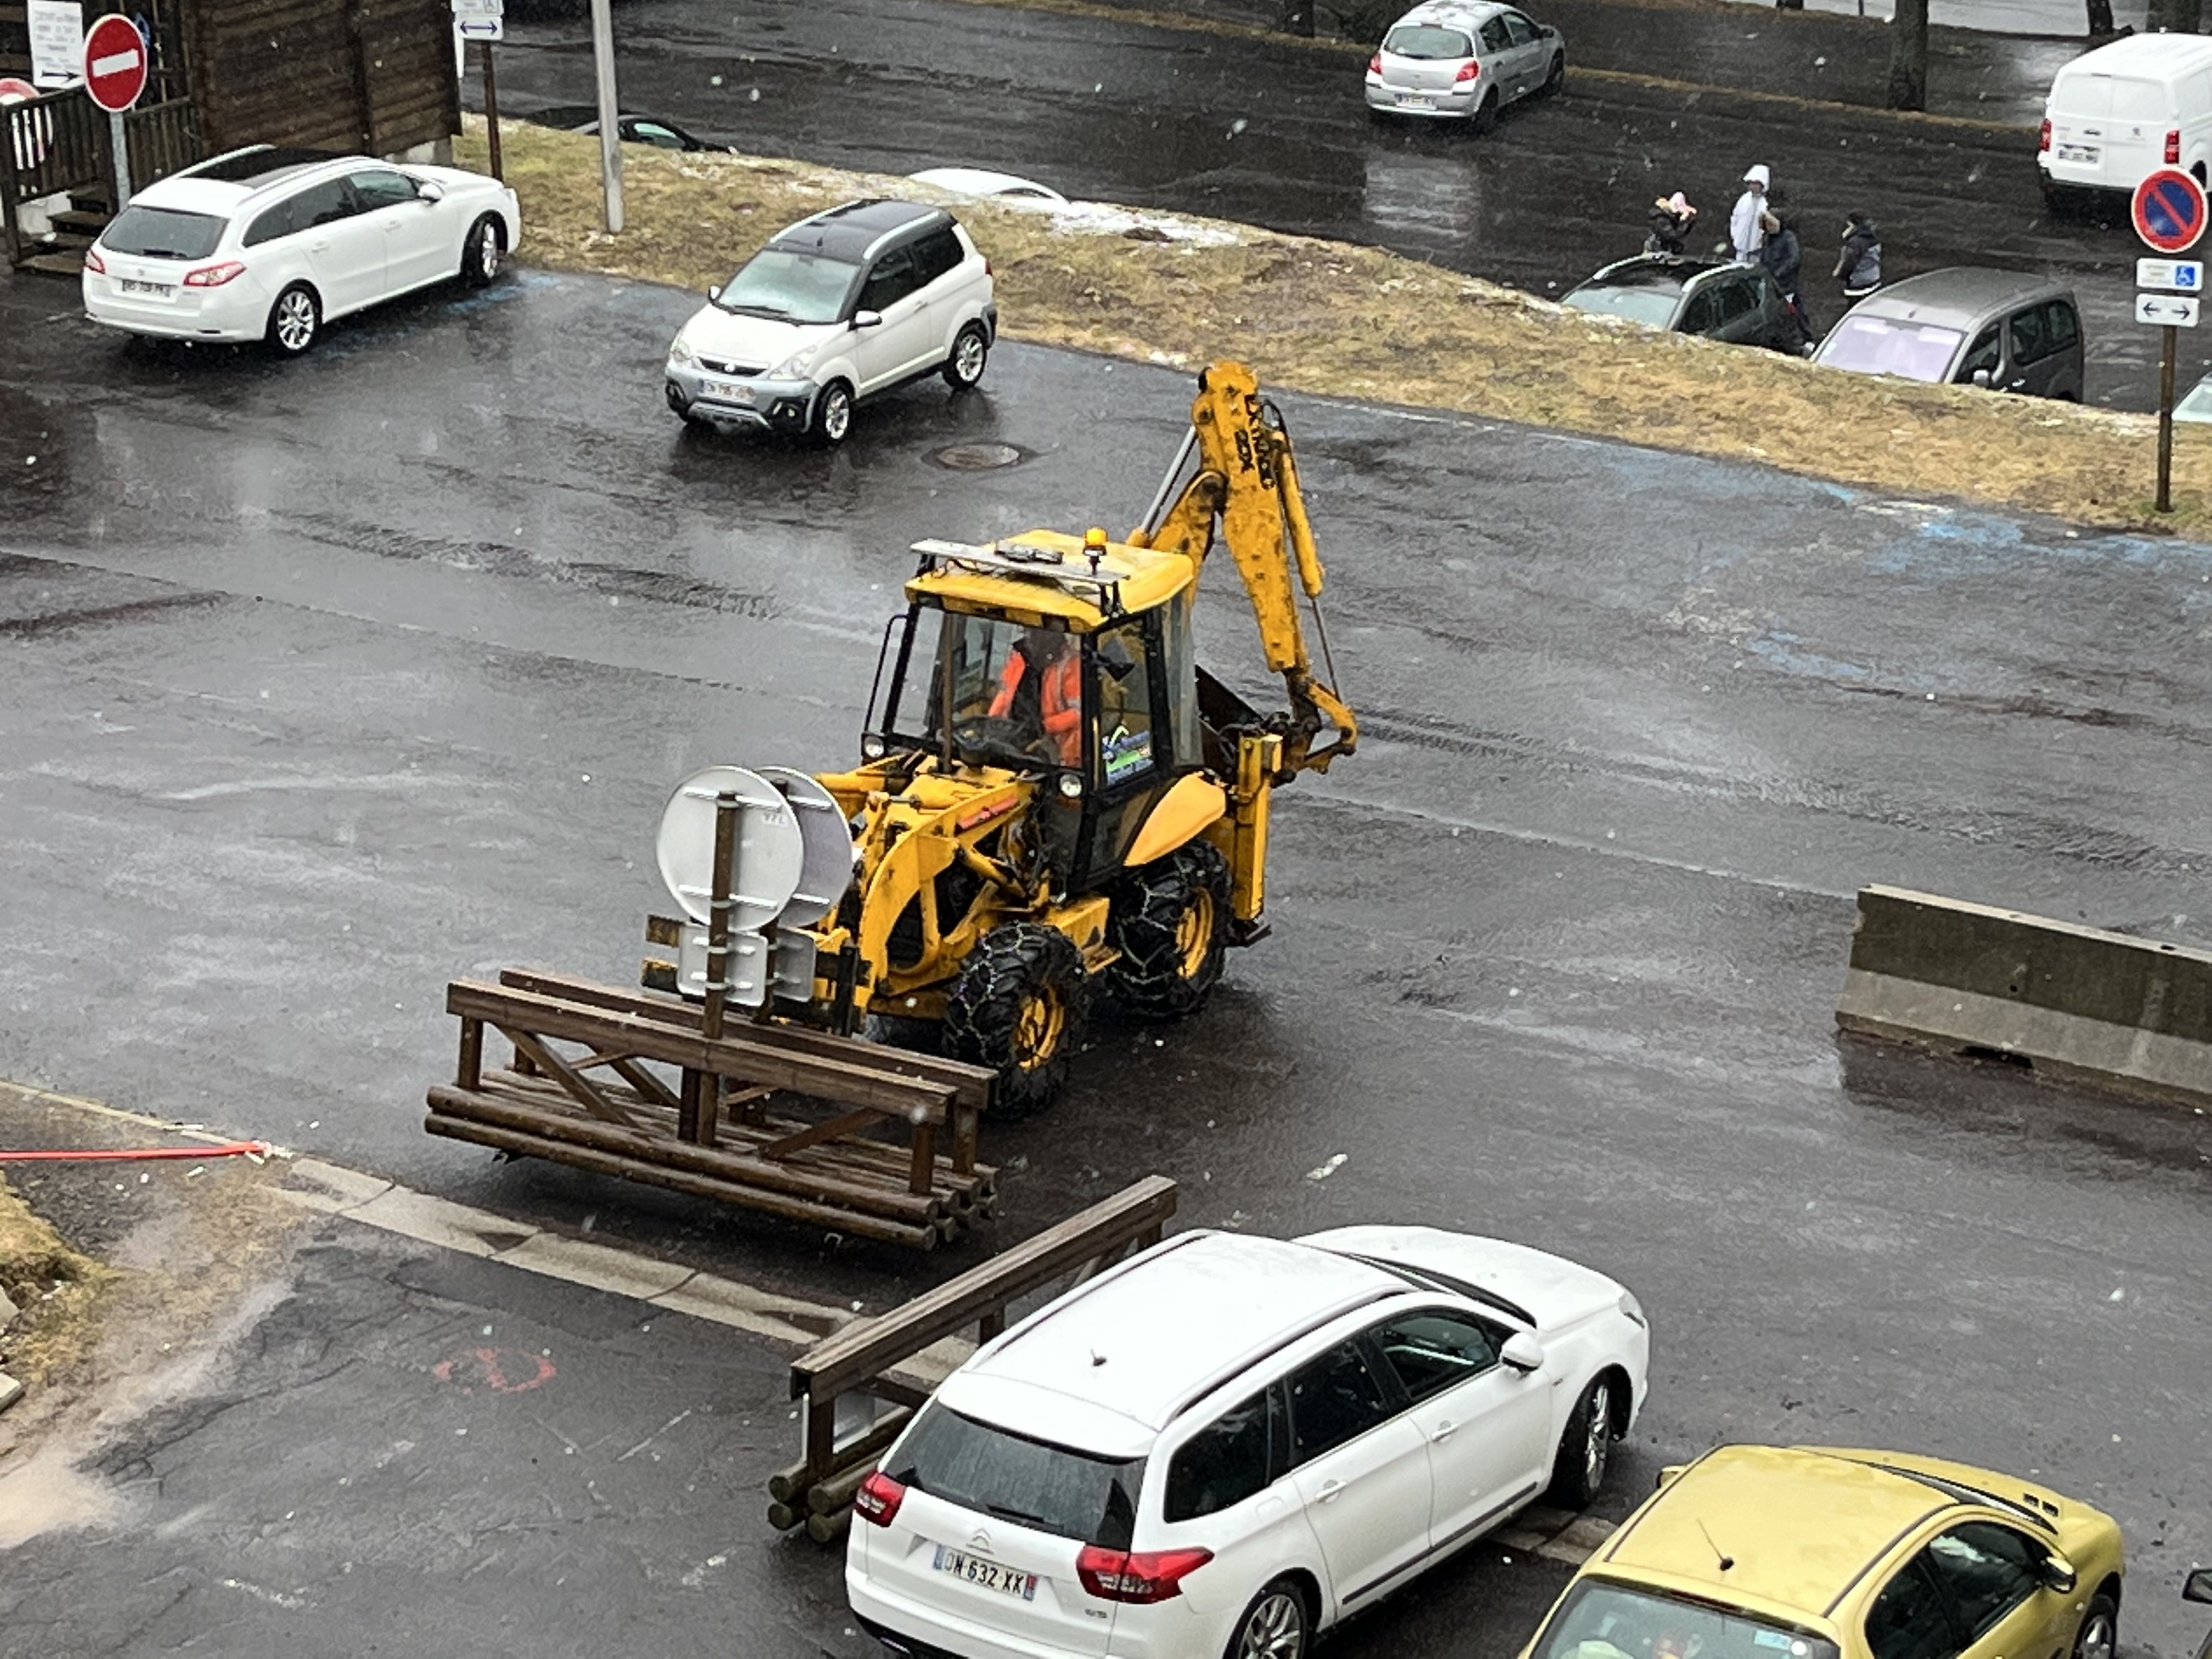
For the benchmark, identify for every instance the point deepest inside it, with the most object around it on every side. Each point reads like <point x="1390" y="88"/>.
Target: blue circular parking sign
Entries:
<point x="2169" y="211"/>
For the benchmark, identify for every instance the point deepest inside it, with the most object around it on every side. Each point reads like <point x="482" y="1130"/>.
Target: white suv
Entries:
<point x="1230" y="1443"/>
<point x="839" y="307"/>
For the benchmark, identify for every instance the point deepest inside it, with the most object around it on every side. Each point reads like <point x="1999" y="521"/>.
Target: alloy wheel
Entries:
<point x="1597" y="1445"/>
<point x="2097" y="1640"/>
<point x="487" y="251"/>
<point x="296" y="320"/>
<point x="836" y="414"/>
<point x="1274" y="1629"/>
<point x="967" y="358"/>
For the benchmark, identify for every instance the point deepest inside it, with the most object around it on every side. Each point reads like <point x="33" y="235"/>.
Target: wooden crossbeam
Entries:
<point x="575" y="1084"/>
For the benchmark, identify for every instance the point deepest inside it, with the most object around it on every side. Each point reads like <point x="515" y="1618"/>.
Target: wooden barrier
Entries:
<point x="817" y="1491"/>
<point x="742" y="1119"/>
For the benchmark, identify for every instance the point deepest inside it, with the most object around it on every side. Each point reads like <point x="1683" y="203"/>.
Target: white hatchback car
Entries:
<point x="1230" y="1442"/>
<point x="271" y="243"/>
<point x="1463" y="60"/>
<point x="838" y="307"/>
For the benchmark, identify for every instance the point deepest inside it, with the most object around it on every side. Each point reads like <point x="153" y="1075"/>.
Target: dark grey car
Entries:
<point x="2004" y="330"/>
<point x="1739" y="304"/>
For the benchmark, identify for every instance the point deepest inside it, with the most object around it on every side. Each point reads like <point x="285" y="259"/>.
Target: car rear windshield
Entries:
<point x="792" y="287"/>
<point x="1419" y="40"/>
<point x="155" y="233"/>
<point x="1601" y="1620"/>
<point x="1055" y="1489"/>
<point x="1649" y="298"/>
<point x="1883" y="345"/>
<point x="2120" y="96"/>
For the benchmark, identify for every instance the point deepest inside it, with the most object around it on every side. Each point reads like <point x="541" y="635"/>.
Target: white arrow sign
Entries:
<point x="2186" y="275"/>
<point x="2166" y="310"/>
<point x="480" y="29"/>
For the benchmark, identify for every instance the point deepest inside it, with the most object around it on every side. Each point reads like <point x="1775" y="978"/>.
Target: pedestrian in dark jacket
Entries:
<point x="1671" y="219"/>
<point x="1783" y="258"/>
<point x="1859" y="265"/>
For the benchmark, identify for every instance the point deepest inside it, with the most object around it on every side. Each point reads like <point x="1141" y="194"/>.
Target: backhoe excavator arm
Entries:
<point x="1247" y="483"/>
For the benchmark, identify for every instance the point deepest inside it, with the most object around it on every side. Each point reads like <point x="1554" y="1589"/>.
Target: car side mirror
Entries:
<point x="1981" y="378"/>
<point x="867" y="320"/>
<point x="2197" y="1587"/>
<point x="429" y="190"/>
<point x="1522" y="1351"/>
<point x="2056" y="1573"/>
<point x="715" y="292"/>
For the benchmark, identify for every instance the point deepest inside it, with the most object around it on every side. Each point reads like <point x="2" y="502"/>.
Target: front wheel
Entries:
<point x="1017" y="1005"/>
<point x="2098" y="1637"/>
<point x="1585" y="1447"/>
<point x="1275" y="1626"/>
<point x="971" y="350"/>
<point x="1557" y="78"/>
<point x="296" y="320"/>
<point x="483" y="253"/>
<point x="1170" y="923"/>
<point x="833" y="415"/>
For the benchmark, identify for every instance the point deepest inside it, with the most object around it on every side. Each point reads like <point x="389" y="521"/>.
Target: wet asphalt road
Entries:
<point x="1276" y="134"/>
<point x="327" y="682"/>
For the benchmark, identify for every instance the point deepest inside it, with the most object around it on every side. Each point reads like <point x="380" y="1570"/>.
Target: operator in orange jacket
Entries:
<point x="1040" y="690"/>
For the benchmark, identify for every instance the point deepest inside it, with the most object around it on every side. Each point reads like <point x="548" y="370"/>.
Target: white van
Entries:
<point x="2117" y="114"/>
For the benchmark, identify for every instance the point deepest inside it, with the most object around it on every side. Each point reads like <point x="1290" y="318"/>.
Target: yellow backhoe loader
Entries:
<point x="1055" y="799"/>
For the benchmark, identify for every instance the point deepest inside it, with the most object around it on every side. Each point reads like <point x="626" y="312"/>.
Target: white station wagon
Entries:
<point x="1230" y="1444"/>
<point x="271" y="244"/>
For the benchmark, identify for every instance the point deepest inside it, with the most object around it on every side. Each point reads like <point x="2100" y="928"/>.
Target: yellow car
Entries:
<point x="1818" y="1552"/>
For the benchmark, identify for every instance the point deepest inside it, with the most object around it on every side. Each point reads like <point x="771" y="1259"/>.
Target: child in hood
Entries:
<point x="1671" y="219"/>
<point x="1859" y="265"/>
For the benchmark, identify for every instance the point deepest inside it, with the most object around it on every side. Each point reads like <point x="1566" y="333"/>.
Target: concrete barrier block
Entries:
<point x="2105" y="1007"/>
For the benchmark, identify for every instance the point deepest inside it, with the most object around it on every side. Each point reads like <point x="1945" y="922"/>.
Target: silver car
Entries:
<point x="2001" y="330"/>
<point x="1463" y="60"/>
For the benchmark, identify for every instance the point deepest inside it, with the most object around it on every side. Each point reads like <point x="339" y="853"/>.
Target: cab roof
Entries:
<point x="1799" y="1525"/>
<point x="1044" y="573"/>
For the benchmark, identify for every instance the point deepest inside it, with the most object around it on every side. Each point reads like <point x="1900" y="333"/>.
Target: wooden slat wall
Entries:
<point x="15" y="39"/>
<point x="349" y="75"/>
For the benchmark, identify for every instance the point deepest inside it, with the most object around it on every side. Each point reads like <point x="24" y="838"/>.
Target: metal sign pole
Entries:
<point x="491" y="111"/>
<point x="119" y="142"/>
<point x="603" y="62"/>
<point x="2166" y="420"/>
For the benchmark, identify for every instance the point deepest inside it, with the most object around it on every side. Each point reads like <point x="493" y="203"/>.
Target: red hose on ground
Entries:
<point x="231" y="1148"/>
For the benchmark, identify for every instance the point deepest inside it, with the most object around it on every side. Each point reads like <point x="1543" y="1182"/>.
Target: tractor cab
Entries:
<point x="1046" y="656"/>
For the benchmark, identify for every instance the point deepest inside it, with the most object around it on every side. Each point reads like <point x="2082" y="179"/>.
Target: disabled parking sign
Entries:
<point x="2169" y="211"/>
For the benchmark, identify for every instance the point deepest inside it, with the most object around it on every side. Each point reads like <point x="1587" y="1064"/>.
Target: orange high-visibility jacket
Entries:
<point x="1060" y="697"/>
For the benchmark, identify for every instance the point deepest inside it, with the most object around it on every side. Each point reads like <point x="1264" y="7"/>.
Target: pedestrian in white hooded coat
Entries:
<point x="1747" y="231"/>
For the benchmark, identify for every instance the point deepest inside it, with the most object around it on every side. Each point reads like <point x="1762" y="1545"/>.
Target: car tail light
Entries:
<point x="878" y="1498"/>
<point x="94" y="263"/>
<point x="2043" y="138"/>
<point x="1147" y="1576"/>
<point x="214" y="276"/>
<point x="1375" y="64"/>
<point x="2173" y="148"/>
<point x="986" y="267"/>
<point x="1468" y="71"/>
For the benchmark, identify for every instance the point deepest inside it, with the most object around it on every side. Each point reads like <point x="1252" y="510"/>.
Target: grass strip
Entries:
<point x="55" y="1288"/>
<point x="1343" y="320"/>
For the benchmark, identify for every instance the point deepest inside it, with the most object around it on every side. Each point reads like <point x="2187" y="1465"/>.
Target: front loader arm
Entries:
<point x="1248" y="482"/>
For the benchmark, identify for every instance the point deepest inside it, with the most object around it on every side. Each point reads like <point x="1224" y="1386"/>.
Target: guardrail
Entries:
<point x="740" y="1120"/>
<point x="866" y="1358"/>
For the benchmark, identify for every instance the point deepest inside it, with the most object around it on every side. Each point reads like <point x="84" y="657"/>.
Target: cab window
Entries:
<point x="652" y="132"/>
<point x="2031" y="336"/>
<point x="1523" y="31"/>
<point x="1334" y="1399"/>
<point x="1985" y="353"/>
<point x="379" y="187"/>
<point x="936" y="254"/>
<point x="1738" y="298"/>
<point x="1433" y="1351"/>
<point x="1704" y="312"/>
<point x="1241" y="1452"/>
<point x="1990" y="1570"/>
<point x="325" y="204"/>
<point x="1909" y="1619"/>
<point x="893" y="278"/>
<point x="1494" y="36"/>
<point x="1125" y="705"/>
<point x="272" y="223"/>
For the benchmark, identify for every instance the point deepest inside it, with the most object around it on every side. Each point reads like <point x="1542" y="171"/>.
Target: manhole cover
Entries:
<point x="976" y="458"/>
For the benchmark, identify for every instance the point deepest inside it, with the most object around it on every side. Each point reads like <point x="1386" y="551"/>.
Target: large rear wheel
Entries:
<point x="1017" y="1005"/>
<point x="1170" y="923"/>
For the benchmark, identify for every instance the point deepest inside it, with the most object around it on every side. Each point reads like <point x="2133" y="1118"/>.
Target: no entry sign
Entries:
<point x="2169" y="211"/>
<point x="115" y="64"/>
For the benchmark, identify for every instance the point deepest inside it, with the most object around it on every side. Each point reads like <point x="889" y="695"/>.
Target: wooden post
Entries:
<point x="470" y="1073"/>
<point x="491" y="111"/>
<point x="2165" y="503"/>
